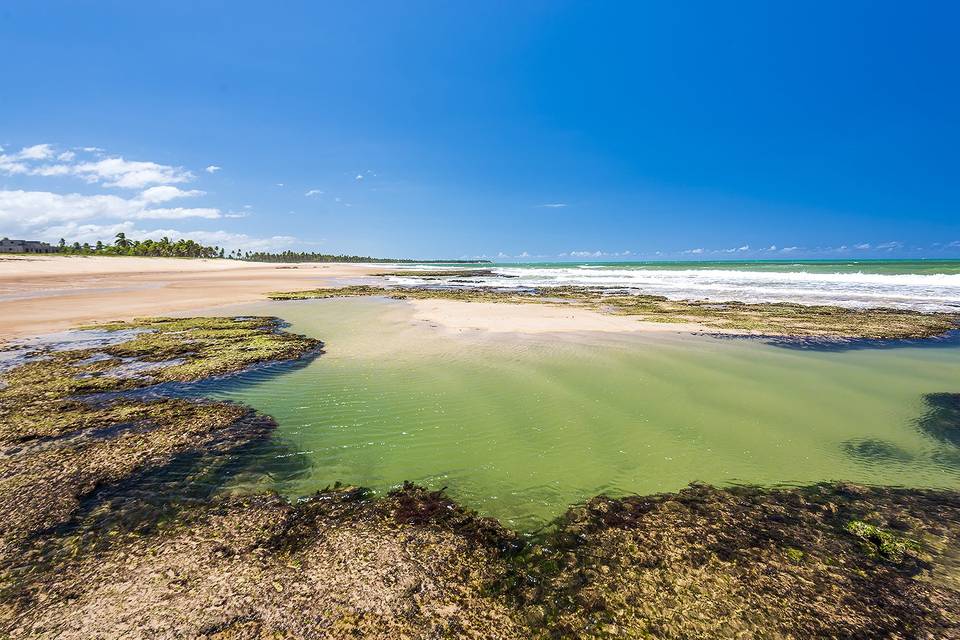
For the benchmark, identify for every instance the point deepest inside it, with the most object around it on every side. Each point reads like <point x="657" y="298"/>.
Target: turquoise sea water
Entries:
<point x="888" y="267"/>
<point x="925" y="285"/>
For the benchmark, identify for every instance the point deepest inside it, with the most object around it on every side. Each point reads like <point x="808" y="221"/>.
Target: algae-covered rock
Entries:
<point x="779" y="319"/>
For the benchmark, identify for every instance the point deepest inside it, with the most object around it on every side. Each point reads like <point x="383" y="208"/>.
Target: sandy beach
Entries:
<point x="542" y="318"/>
<point x="41" y="294"/>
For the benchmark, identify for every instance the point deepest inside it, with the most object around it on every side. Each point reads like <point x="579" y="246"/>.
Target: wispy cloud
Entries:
<point x="889" y="246"/>
<point x="212" y="168"/>
<point x="313" y="192"/>
<point x="110" y="172"/>
<point x="93" y="232"/>
<point x="36" y="152"/>
<point x="553" y="205"/>
<point x="596" y="254"/>
<point x="167" y="192"/>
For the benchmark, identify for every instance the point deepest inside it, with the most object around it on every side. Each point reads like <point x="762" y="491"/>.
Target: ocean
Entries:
<point x="924" y="285"/>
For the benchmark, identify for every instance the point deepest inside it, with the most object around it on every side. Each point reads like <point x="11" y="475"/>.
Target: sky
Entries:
<point x="505" y="130"/>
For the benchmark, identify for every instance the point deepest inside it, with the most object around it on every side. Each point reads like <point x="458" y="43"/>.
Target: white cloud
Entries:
<point x="166" y="193"/>
<point x="226" y="239"/>
<point x="789" y="249"/>
<point x="696" y="251"/>
<point x="75" y="232"/>
<point x="889" y="246"/>
<point x="955" y="243"/>
<point x="863" y="246"/>
<point x="31" y="209"/>
<point x="36" y="152"/>
<point x="553" y="205"/>
<point x="177" y="213"/>
<point x="313" y="192"/>
<point x="129" y="174"/>
<point x="90" y="217"/>
<point x="111" y="172"/>
<point x="359" y="176"/>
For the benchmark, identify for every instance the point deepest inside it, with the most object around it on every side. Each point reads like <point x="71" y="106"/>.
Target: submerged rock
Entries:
<point x="941" y="420"/>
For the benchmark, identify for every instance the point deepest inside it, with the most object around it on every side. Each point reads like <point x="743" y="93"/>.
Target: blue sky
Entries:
<point x="448" y="129"/>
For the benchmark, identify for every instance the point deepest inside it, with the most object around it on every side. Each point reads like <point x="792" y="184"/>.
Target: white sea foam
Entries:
<point x="925" y="292"/>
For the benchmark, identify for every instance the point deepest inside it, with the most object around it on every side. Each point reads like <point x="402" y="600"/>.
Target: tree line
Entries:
<point x="164" y="247"/>
<point x="123" y="246"/>
<point x="301" y="256"/>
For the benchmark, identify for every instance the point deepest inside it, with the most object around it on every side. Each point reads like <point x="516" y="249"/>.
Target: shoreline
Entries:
<point x="43" y="294"/>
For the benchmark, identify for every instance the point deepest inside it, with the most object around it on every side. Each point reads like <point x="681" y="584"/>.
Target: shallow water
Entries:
<point x="519" y="427"/>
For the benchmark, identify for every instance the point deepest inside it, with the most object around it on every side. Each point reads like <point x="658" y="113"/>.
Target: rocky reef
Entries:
<point x="113" y="524"/>
<point x="783" y="320"/>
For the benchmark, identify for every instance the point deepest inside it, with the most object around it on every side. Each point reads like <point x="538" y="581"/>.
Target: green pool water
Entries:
<point x="520" y="426"/>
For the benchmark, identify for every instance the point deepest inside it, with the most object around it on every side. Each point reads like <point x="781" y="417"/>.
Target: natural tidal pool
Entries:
<point x="521" y="426"/>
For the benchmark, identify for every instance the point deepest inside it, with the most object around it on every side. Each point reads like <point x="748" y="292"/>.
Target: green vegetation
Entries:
<point x="164" y="247"/>
<point x="122" y="246"/>
<point x="301" y="256"/>
<point x="879" y="542"/>
<point x="767" y="319"/>
<point x="63" y="440"/>
<point x="40" y="397"/>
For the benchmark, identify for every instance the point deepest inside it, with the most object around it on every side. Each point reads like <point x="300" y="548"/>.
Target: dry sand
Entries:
<point x="41" y="294"/>
<point x="49" y="293"/>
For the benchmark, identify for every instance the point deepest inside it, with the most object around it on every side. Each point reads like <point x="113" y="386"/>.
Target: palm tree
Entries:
<point x="122" y="241"/>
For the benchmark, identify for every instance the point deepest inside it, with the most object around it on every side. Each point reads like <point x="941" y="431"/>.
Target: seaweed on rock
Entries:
<point x="941" y="421"/>
<point x="781" y="319"/>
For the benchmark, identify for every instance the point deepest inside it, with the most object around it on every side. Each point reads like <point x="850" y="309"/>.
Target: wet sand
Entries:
<point x="517" y="318"/>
